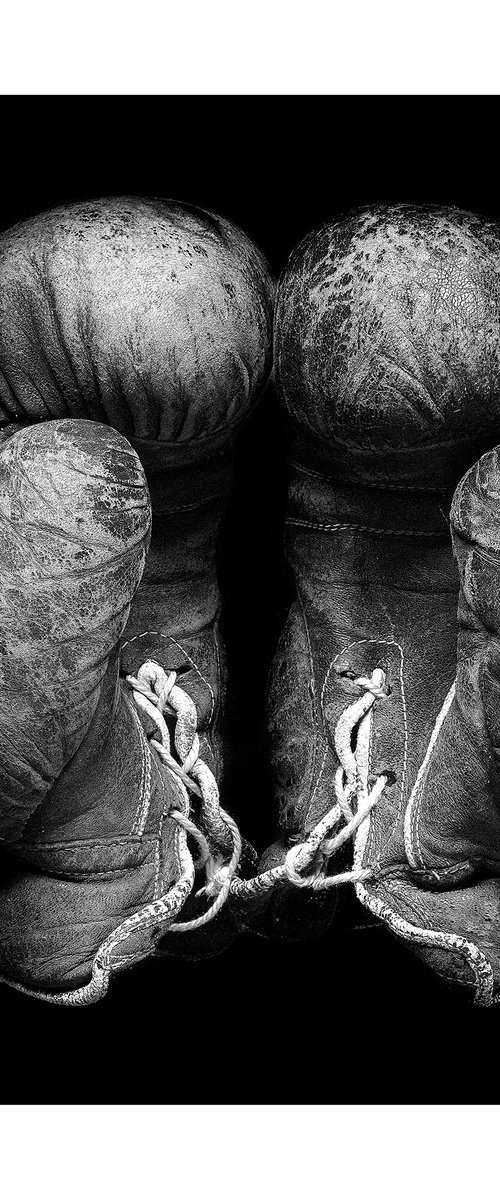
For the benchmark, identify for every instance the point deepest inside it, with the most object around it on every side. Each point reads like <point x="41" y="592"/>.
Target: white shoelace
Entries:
<point x="219" y="843"/>
<point x="305" y="865"/>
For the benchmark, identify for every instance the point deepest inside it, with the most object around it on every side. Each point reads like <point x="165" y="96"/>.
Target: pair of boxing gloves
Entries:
<point x="135" y="337"/>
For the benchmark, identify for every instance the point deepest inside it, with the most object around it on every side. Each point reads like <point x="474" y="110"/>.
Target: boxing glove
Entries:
<point x="387" y="358"/>
<point x="87" y="847"/>
<point x="154" y="318"/>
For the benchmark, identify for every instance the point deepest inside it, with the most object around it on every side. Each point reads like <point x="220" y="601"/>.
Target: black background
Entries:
<point x="350" y="1017"/>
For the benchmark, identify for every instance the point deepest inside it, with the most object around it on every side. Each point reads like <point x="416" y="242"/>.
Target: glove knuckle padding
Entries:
<point x="387" y="358"/>
<point x="152" y="316"/>
<point x="386" y="338"/>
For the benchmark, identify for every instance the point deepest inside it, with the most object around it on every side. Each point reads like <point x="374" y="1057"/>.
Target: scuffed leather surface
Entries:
<point x="441" y="872"/>
<point x="85" y="841"/>
<point x="366" y="601"/>
<point x="74" y="530"/>
<point x="86" y="861"/>
<point x="456" y="816"/>
<point x="152" y="316"/>
<point x="174" y="616"/>
<point x="387" y="342"/>
<point x="157" y="318"/>
<point x="301" y="754"/>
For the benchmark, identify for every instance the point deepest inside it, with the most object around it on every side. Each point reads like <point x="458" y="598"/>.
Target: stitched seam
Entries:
<point x="157" y="870"/>
<point x="327" y="676"/>
<point x="91" y="843"/>
<point x="90" y="875"/>
<point x="221" y="694"/>
<point x="170" y="512"/>
<point x="205" y="744"/>
<point x="158" y="880"/>
<point x="151" y="920"/>
<point x="202" y="677"/>
<point x="458" y="439"/>
<point x="142" y="810"/>
<point x="414" y="825"/>
<point x="313" y="698"/>
<point x="316" y="786"/>
<point x="363" y="529"/>
<point x="405" y="753"/>
<point x="383" y="487"/>
<point x="218" y="662"/>
<point x="124" y="869"/>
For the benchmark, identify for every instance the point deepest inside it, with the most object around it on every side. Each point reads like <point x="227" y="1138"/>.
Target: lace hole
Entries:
<point x="390" y="776"/>
<point x="344" y="672"/>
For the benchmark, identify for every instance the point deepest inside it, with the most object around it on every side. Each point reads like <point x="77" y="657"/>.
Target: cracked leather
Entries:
<point x="387" y="356"/>
<point x="83" y="836"/>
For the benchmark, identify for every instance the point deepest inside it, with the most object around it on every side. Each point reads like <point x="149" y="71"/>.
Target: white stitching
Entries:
<point x="316" y="786"/>
<point x="313" y="692"/>
<point x="205" y="744"/>
<point x="385" y="487"/>
<point x="340" y="527"/>
<point x="142" y="810"/>
<point x="405" y="753"/>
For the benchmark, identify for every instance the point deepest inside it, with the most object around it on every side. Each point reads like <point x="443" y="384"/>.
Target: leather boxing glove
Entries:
<point x="87" y="847"/>
<point x="155" y="318"/>
<point x="387" y="357"/>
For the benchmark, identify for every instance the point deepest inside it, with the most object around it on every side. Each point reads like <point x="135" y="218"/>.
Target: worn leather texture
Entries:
<point x="84" y="835"/>
<point x="148" y="315"/>
<point x="387" y="357"/>
<point x="153" y="317"/>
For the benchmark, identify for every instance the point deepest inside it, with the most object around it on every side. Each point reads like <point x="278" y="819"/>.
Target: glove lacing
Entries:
<point x="306" y="864"/>
<point x="220" y="844"/>
<point x="156" y="693"/>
